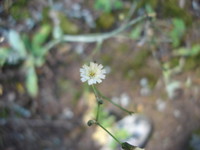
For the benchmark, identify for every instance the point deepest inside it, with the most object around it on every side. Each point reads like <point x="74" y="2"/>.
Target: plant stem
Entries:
<point x="90" y="38"/>
<point x="120" y="107"/>
<point x="109" y="133"/>
<point x="98" y="109"/>
<point x="106" y="98"/>
<point x="95" y="91"/>
<point x="98" y="101"/>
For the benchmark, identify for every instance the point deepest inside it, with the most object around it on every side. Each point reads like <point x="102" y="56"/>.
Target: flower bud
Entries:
<point x="91" y="122"/>
<point x="100" y="101"/>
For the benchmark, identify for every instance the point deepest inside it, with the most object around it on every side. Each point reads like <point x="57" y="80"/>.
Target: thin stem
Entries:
<point x="120" y="107"/>
<point x="98" y="109"/>
<point x="98" y="102"/>
<point x="95" y="91"/>
<point x="109" y="133"/>
<point x="106" y="98"/>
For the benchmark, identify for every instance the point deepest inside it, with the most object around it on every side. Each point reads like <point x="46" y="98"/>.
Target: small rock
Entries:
<point x="177" y="113"/>
<point x="125" y="100"/>
<point x="161" y="105"/>
<point x="67" y="114"/>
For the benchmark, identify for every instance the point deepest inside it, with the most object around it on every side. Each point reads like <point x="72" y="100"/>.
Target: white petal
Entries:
<point x="102" y="76"/>
<point x="90" y="82"/>
<point x="103" y="71"/>
<point x="83" y="79"/>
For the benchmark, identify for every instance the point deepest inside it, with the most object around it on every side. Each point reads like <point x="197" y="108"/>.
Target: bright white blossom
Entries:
<point x="94" y="73"/>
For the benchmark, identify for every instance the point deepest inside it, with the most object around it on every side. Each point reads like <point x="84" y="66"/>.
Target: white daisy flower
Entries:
<point x="94" y="73"/>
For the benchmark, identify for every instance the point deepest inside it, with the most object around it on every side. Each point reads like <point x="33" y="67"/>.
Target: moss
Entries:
<point x="19" y="12"/>
<point x="174" y="62"/>
<point x="136" y="64"/>
<point x="67" y="26"/>
<point x="139" y="59"/>
<point x="4" y="112"/>
<point x="168" y="8"/>
<point x="192" y="63"/>
<point x="107" y="59"/>
<point x="123" y="47"/>
<point x="106" y="21"/>
<point x="171" y="9"/>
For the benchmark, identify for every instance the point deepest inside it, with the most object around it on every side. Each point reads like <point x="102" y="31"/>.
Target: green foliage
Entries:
<point x="39" y="39"/>
<point x="16" y="43"/>
<point x="66" y="25"/>
<point x="106" y="20"/>
<point x="136" y="32"/>
<point x="30" y="50"/>
<point x="122" y="134"/>
<point x="108" y="5"/>
<point x="194" y="51"/>
<point x="31" y="81"/>
<point x="177" y="31"/>
<point x="109" y="119"/>
<point x="4" y="53"/>
<point x="19" y="10"/>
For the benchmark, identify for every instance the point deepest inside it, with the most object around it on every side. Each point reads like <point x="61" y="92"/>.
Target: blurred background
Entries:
<point x="152" y="65"/>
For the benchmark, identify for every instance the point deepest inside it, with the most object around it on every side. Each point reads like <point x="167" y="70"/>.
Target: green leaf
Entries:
<point x="16" y="43"/>
<point x="118" y="4"/>
<point x="4" y="53"/>
<point x="32" y="82"/>
<point x="108" y="5"/>
<point x="104" y="5"/>
<point x="27" y="42"/>
<point x="195" y="50"/>
<point x="39" y="38"/>
<point x="136" y="32"/>
<point x="177" y="32"/>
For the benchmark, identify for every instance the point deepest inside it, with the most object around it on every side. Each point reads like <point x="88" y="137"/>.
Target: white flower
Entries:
<point x="94" y="73"/>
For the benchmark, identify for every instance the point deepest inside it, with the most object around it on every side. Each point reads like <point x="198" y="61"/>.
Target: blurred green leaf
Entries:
<point x="110" y="119"/>
<point x="121" y="134"/>
<point x="27" y="42"/>
<point x="108" y="5"/>
<point x="39" y="61"/>
<point x="118" y="4"/>
<point x="39" y="38"/>
<point x="16" y="43"/>
<point x="136" y="32"/>
<point x="178" y="31"/>
<point x="149" y="9"/>
<point x="195" y="50"/>
<point x="104" y="5"/>
<point x="4" y="53"/>
<point x="31" y="82"/>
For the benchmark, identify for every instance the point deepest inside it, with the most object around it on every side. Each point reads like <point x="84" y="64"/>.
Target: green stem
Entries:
<point x="95" y="91"/>
<point x="98" y="108"/>
<point x="120" y="107"/>
<point x="109" y="133"/>
<point x="106" y="98"/>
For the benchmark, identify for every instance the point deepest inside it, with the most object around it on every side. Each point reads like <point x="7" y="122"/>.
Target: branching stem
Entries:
<point x="109" y="133"/>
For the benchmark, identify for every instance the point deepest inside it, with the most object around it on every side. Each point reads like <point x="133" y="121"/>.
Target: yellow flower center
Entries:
<point x="92" y="73"/>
